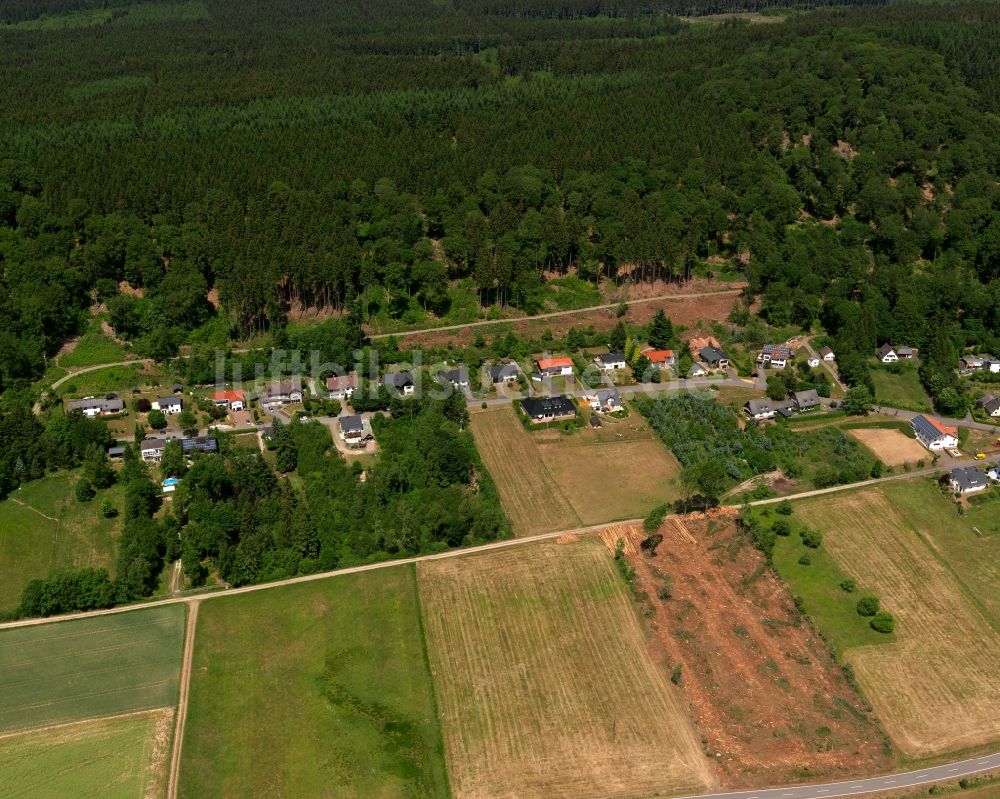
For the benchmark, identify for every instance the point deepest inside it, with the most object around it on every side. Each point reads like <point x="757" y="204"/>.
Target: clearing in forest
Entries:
<point x="122" y="757"/>
<point x="544" y="684"/>
<point x="936" y="688"/>
<point x="770" y="702"/>
<point x="549" y="480"/>
<point x="87" y="668"/>
<point x="892" y="447"/>
<point x="316" y="689"/>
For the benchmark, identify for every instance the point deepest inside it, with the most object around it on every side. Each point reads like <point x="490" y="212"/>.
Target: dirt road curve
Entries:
<point x="553" y="314"/>
<point x="95" y="367"/>
<point x="182" y="700"/>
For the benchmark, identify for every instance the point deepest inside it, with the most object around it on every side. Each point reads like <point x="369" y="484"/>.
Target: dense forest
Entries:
<point x="204" y="174"/>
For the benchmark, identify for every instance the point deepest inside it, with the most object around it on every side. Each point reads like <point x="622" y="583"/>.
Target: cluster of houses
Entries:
<point x="151" y="449"/>
<point x="979" y="363"/>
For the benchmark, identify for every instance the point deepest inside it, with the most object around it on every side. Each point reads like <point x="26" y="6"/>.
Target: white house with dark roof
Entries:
<point x="605" y="400"/>
<point x="97" y="406"/>
<point x="401" y="381"/>
<point x="548" y="409"/>
<point x="341" y="387"/>
<point x="457" y="377"/>
<point x="887" y="354"/>
<point x="169" y="404"/>
<point x="933" y="434"/>
<point x="504" y="373"/>
<point x="775" y="356"/>
<point x="152" y="449"/>
<point x="610" y="361"/>
<point x="806" y="400"/>
<point x="990" y="404"/>
<point x="282" y="392"/>
<point x="713" y="357"/>
<point x="968" y="480"/>
<point x="827" y="354"/>
<point x="759" y="409"/>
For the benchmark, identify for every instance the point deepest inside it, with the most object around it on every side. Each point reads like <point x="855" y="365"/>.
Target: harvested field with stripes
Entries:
<point x="936" y="688"/>
<point x="88" y="668"/>
<point x="122" y="757"/>
<point x="545" y="686"/>
<point x="549" y="480"/>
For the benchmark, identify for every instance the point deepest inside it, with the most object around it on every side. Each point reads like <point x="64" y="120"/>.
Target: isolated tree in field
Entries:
<point x="858" y="401"/>
<point x="661" y="331"/>
<point x="883" y="622"/>
<point x="108" y="509"/>
<point x="157" y="420"/>
<point x="84" y="490"/>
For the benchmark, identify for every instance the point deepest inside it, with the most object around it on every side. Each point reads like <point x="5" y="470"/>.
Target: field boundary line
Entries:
<point x="58" y="725"/>
<point x="182" y="700"/>
<point x="16" y="501"/>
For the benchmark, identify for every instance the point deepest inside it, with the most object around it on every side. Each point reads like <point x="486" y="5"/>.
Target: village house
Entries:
<point x="993" y="365"/>
<point x="990" y="404"/>
<point x="775" y="356"/>
<point x="661" y="358"/>
<point x="806" y="400"/>
<point x="232" y="399"/>
<point x="352" y="431"/>
<point x="827" y="354"/>
<point x="152" y="449"/>
<point x="812" y="363"/>
<point x="968" y="480"/>
<point x="341" y="387"/>
<point x="994" y="473"/>
<point x="886" y="354"/>
<point x="548" y="409"/>
<point x="759" y="409"/>
<point x="906" y="353"/>
<point x="605" y="400"/>
<point x="458" y="377"/>
<point x="934" y="435"/>
<point x="199" y="444"/>
<point x="973" y="362"/>
<point x="610" y="361"/>
<point x="401" y="381"/>
<point x="116" y="451"/>
<point x="97" y="406"/>
<point x="714" y="358"/>
<point x="698" y="370"/>
<point x="504" y="373"/>
<point x="170" y="405"/>
<point x="555" y="367"/>
<point x="282" y="392"/>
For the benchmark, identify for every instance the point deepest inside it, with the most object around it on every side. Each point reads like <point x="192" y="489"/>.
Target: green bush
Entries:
<point x="883" y="622"/>
<point x="781" y="527"/>
<point x="811" y="538"/>
<point x="675" y="675"/>
<point x="868" y="606"/>
<point x="849" y="585"/>
<point x="805" y="559"/>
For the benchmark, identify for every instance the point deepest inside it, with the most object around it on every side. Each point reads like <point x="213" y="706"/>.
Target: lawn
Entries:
<point x="114" y="378"/>
<point x="549" y="480"/>
<point x="983" y="512"/>
<point x="935" y="689"/>
<point x="115" y="758"/>
<point x="33" y="546"/>
<point x="544" y="681"/>
<point x="900" y="389"/>
<point x="83" y="669"/>
<point x="330" y="686"/>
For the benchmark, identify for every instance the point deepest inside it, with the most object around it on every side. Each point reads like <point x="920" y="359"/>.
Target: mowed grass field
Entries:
<point x="319" y="689"/>
<point x="88" y="668"/>
<point x="122" y="757"/>
<point x="44" y="530"/>
<point x="552" y="481"/>
<point x="892" y="447"/>
<point x="902" y="390"/>
<point x="544" y="683"/>
<point x="936" y="689"/>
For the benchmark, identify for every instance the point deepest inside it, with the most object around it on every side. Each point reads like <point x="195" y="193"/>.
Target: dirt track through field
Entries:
<point x="182" y="700"/>
<point x="936" y="688"/>
<point x="544" y="685"/>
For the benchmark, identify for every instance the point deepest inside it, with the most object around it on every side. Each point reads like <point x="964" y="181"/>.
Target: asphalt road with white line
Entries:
<point x="909" y="779"/>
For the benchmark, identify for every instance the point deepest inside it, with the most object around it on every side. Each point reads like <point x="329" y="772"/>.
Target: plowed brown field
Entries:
<point x="770" y="703"/>
<point x="544" y="684"/>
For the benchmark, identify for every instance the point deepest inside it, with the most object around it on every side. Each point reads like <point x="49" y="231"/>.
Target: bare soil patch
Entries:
<point x="892" y="447"/>
<point x="771" y="704"/>
<point x="545" y="687"/>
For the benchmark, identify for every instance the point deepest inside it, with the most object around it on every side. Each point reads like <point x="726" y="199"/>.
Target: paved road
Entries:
<point x="890" y="782"/>
<point x="553" y="314"/>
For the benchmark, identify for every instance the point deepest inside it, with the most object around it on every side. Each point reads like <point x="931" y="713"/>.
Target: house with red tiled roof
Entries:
<point x="554" y="367"/>
<point x="231" y="399"/>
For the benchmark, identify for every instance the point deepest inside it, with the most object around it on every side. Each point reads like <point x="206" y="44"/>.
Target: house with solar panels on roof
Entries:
<point x="933" y="434"/>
